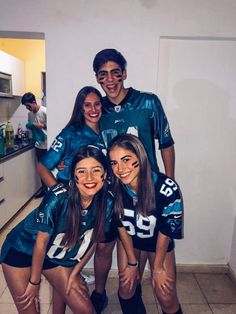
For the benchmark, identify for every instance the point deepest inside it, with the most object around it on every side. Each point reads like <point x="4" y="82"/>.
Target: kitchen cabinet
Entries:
<point x="19" y="182"/>
<point x="14" y="66"/>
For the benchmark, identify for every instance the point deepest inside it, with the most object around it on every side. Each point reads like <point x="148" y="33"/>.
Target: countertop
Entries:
<point x="18" y="149"/>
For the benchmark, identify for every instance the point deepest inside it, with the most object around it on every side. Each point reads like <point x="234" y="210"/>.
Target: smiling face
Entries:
<point x="125" y="166"/>
<point x="110" y="76"/>
<point x="89" y="176"/>
<point x="92" y="109"/>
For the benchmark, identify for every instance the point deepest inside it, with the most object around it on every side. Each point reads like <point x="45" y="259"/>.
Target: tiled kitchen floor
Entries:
<point x="199" y="293"/>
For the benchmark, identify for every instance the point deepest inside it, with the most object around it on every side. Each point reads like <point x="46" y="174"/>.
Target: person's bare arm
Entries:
<point x="168" y="157"/>
<point x="46" y="175"/>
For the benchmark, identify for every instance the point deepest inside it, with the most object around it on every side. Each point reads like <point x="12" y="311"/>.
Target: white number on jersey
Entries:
<point x="56" y="145"/>
<point x="132" y="130"/>
<point x="57" y="244"/>
<point x="147" y="224"/>
<point x="168" y="187"/>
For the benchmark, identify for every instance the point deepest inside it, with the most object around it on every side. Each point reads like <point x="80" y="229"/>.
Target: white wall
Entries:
<point x="75" y="30"/>
<point x="196" y="80"/>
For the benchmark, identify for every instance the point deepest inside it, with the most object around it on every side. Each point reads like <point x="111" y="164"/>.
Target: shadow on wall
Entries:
<point x="205" y="128"/>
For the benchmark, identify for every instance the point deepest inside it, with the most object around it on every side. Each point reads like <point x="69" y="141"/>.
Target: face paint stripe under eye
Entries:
<point x="76" y="179"/>
<point x="135" y="164"/>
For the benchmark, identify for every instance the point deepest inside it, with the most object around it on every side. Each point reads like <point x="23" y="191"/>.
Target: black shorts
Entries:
<point x="138" y="245"/>
<point x="112" y="234"/>
<point x="17" y="259"/>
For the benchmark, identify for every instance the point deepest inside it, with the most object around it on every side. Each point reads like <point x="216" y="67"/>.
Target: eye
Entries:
<point x="125" y="160"/>
<point x="87" y="104"/>
<point x="98" y="104"/>
<point x="116" y="72"/>
<point x="101" y="74"/>
<point x="113" y="163"/>
<point x="97" y="170"/>
<point x="80" y="172"/>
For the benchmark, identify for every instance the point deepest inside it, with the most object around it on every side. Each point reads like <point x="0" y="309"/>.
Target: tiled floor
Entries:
<point x="199" y="293"/>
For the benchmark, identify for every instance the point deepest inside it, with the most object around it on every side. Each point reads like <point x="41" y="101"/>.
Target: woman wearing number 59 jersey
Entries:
<point x="61" y="234"/>
<point x="149" y="209"/>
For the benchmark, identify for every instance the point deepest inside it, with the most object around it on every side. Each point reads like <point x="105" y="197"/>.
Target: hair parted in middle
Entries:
<point x="146" y="190"/>
<point x="72" y="234"/>
<point x="77" y="118"/>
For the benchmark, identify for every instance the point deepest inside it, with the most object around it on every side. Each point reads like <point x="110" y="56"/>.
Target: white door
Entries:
<point x="197" y="85"/>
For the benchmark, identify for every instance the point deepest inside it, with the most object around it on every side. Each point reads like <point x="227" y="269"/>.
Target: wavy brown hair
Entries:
<point x="146" y="190"/>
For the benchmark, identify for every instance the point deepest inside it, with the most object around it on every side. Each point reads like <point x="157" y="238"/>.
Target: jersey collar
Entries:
<point x="110" y="104"/>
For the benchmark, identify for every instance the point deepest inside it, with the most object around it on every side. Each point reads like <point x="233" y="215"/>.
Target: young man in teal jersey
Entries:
<point x="126" y="110"/>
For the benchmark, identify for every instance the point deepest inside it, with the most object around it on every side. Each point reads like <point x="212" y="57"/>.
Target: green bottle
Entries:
<point x="9" y="133"/>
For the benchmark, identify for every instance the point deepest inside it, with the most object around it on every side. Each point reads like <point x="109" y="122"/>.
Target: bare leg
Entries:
<point x="130" y="300"/>
<point x="78" y="301"/>
<point x="169" y="302"/>
<point x="58" y="303"/>
<point x="102" y="264"/>
<point x="17" y="281"/>
<point x="122" y="264"/>
<point x="142" y="262"/>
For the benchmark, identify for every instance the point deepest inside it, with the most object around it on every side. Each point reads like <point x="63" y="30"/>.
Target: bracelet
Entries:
<point x="35" y="283"/>
<point x="133" y="265"/>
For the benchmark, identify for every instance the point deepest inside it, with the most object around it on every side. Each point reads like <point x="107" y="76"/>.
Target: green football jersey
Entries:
<point x="51" y="217"/>
<point x="140" y="114"/>
<point x="64" y="147"/>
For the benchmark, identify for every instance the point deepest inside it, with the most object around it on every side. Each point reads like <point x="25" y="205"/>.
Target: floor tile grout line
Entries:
<point x="202" y="291"/>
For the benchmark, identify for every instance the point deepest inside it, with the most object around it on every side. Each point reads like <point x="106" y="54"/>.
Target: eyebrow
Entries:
<point x="85" y="168"/>
<point x="125" y="157"/>
<point x="104" y="71"/>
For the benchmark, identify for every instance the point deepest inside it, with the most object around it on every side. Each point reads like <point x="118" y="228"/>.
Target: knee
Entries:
<point x="168" y="301"/>
<point x="125" y="292"/>
<point x="104" y="250"/>
<point x="85" y="309"/>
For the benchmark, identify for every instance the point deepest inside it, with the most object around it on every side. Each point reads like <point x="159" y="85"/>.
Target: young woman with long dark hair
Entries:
<point x="81" y="130"/>
<point x="58" y="238"/>
<point x="148" y="207"/>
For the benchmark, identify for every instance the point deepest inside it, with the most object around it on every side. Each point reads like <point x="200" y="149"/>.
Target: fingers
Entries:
<point x="79" y="286"/>
<point x="27" y="301"/>
<point x="37" y="304"/>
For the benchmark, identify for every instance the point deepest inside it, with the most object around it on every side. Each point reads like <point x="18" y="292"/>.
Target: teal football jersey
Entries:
<point x="51" y="217"/>
<point x="140" y="114"/>
<point x="65" y="146"/>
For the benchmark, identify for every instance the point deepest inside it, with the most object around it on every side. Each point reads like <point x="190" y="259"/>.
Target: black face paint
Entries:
<point x="76" y="179"/>
<point x="116" y="74"/>
<point x="101" y="78"/>
<point x="135" y="164"/>
<point x="103" y="177"/>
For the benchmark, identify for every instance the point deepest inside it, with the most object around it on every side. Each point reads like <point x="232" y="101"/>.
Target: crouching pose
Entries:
<point x="149" y="207"/>
<point x="61" y="234"/>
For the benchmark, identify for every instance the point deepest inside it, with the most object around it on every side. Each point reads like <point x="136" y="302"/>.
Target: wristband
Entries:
<point x="35" y="283"/>
<point x="133" y="265"/>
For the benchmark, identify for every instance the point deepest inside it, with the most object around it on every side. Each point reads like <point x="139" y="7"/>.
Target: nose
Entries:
<point x="93" y="108"/>
<point x="120" y="167"/>
<point x="89" y="176"/>
<point x="109" y="76"/>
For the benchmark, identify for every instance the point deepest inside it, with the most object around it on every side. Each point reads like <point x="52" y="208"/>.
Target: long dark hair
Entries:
<point x="77" y="117"/>
<point x="75" y="208"/>
<point x="146" y="190"/>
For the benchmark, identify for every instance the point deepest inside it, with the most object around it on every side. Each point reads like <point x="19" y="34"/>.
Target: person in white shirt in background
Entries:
<point x="37" y="123"/>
